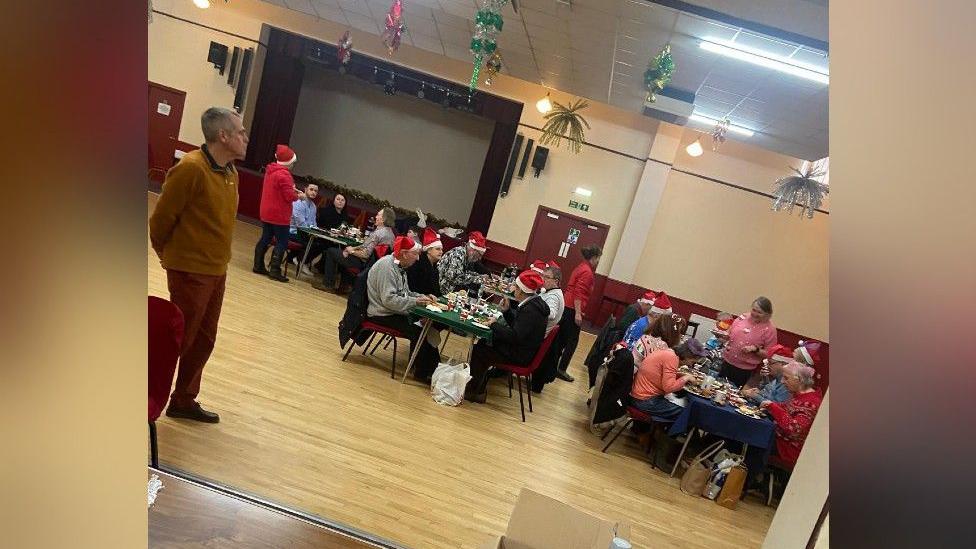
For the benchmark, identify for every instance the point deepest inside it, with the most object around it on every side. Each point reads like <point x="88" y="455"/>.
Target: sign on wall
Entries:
<point x="579" y="206"/>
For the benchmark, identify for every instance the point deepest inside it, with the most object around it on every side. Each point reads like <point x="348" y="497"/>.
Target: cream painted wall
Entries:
<point x="739" y="163"/>
<point x="720" y="246"/>
<point x="178" y="58"/>
<point x="407" y="150"/>
<point x="612" y="178"/>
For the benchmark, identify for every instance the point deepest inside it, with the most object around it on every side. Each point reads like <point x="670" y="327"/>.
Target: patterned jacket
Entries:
<point x="455" y="271"/>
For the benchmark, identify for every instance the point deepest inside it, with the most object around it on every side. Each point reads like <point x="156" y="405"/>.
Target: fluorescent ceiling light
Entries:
<point x="583" y="192"/>
<point x="711" y="121"/>
<point x="764" y="59"/>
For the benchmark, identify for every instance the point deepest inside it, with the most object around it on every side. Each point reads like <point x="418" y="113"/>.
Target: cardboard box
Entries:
<point x="540" y="522"/>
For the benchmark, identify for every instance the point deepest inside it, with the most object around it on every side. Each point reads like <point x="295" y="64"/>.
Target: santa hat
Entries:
<point x="432" y="239"/>
<point x="661" y="305"/>
<point x="405" y="244"/>
<point x="647" y="298"/>
<point x="285" y="156"/>
<point x="476" y="241"/>
<point x="780" y="353"/>
<point x="538" y="266"/>
<point x="810" y="351"/>
<point x="529" y="281"/>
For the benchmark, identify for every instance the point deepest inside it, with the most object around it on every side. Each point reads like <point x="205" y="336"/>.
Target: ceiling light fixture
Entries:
<point x="583" y="192"/>
<point x="713" y="121"/>
<point x="764" y="59"/>
<point x="544" y="105"/>
<point x="202" y="4"/>
<point x="695" y="149"/>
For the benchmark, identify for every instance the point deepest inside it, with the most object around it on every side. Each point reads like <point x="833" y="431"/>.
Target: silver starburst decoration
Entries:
<point x="805" y="189"/>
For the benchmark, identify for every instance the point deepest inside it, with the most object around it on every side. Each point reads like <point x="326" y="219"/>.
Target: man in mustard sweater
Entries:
<point x="191" y="230"/>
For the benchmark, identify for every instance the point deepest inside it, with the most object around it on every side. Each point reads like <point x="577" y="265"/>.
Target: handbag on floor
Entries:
<point x="731" y="492"/>
<point x="700" y="470"/>
<point x="448" y="382"/>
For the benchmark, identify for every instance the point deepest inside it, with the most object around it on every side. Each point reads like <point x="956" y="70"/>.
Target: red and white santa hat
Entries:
<point x="432" y="239"/>
<point x="476" y="241"/>
<point x="284" y="155"/>
<point x="529" y="281"/>
<point x="648" y="297"/>
<point x="661" y="305"/>
<point x="780" y="353"/>
<point x="405" y="244"/>
<point x="810" y="351"/>
<point x="538" y="266"/>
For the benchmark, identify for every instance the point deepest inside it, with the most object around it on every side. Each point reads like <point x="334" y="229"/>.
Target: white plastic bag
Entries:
<point x="448" y="382"/>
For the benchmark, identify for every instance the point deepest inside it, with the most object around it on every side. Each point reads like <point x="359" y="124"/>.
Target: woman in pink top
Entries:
<point x="657" y="374"/>
<point x="749" y="337"/>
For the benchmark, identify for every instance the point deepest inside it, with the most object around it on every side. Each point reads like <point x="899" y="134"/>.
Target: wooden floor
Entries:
<point x="344" y="441"/>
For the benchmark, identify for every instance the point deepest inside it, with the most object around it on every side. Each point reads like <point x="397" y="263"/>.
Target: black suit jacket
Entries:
<point x="521" y="337"/>
<point x="423" y="278"/>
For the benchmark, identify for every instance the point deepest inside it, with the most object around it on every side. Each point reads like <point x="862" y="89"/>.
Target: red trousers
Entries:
<point x="199" y="297"/>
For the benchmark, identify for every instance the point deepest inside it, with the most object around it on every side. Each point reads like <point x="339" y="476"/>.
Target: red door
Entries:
<point x="560" y="236"/>
<point x="165" y="112"/>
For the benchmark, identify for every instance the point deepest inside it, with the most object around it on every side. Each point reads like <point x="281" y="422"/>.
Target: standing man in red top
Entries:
<point x="577" y="293"/>
<point x="277" y="194"/>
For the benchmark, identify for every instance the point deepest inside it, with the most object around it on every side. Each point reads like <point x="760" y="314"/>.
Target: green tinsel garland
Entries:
<point x="351" y="193"/>
<point x="658" y="73"/>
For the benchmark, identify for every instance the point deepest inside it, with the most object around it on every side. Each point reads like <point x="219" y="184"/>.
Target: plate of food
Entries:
<point x="749" y="411"/>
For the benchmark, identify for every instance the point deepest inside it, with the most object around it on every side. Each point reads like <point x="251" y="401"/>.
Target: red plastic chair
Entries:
<point x="377" y="329"/>
<point x="165" y="340"/>
<point x="526" y="371"/>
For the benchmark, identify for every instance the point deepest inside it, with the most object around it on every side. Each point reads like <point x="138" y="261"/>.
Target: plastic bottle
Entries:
<point x="620" y="543"/>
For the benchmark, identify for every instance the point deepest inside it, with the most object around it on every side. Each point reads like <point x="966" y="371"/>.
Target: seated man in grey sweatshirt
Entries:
<point x="390" y="302"/>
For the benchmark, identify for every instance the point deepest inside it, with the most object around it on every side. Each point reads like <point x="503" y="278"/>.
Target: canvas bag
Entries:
<point x="700" y="470"/>
<point x="449" y="380"/>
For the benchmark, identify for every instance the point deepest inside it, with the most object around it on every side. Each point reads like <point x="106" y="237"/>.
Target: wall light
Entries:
<point x="712" y="121"/>
<point x="583" y="192"/>
<point x="764" y="59"/>
<point x="544" y="105"/>
<point x="695" y="149"/>
<point x="202" y="4"/>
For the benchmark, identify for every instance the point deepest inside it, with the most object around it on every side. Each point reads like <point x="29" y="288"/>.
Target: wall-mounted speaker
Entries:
<point x="539" y="160"/>
<point x="218" y="56"/>
<point x="241" y="92"/>
<point x="525" y="159"/>
<point x="234" y="60"/>
<point x="512" y="160"/>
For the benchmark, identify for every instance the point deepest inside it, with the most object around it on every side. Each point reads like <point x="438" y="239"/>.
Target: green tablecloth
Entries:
<point x="343" y="240"/>
<point x="453" y="321"/>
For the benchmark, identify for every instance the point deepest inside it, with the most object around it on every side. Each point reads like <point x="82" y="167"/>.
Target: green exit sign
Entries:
<point x="579" y="206"/>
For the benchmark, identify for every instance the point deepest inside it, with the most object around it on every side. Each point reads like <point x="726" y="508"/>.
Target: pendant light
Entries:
<point x="544" y="105"/>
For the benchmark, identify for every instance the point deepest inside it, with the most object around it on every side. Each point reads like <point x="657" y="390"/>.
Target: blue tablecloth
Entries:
<point x="725" y="422"/>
